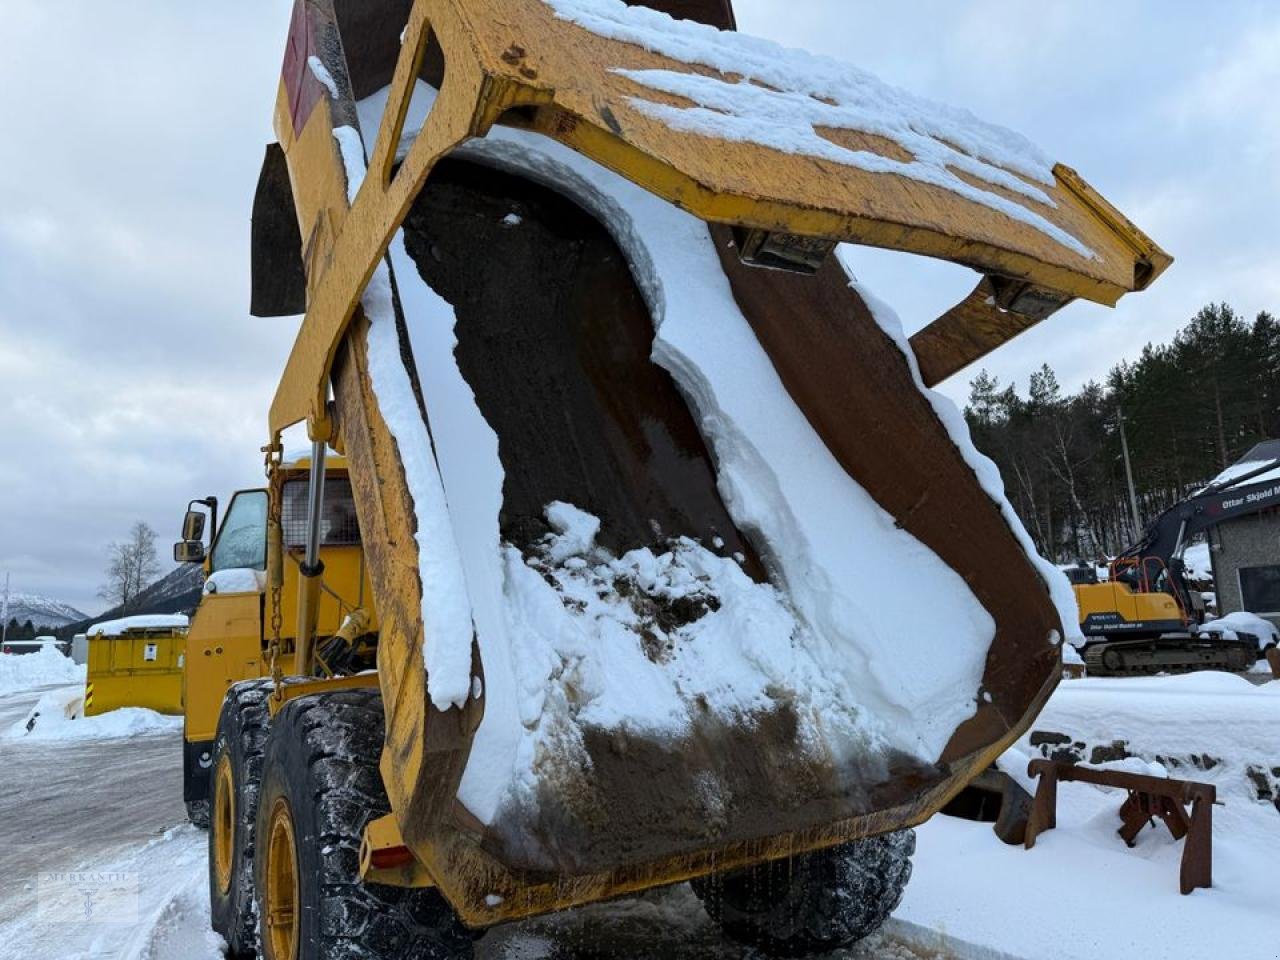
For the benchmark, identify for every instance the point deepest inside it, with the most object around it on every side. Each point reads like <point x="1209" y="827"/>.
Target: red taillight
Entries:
<point x="390" y="857"/>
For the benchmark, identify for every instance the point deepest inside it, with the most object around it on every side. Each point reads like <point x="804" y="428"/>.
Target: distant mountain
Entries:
<point x="42" y="611"/>
<point x="176" y="592"/>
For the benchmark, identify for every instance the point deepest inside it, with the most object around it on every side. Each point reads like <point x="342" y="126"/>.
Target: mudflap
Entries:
<point x="196" y="762"/>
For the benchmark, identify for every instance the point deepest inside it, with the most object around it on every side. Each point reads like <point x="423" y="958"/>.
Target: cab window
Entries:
<point x="242" y="541"/>
<point x="338" y="526"/>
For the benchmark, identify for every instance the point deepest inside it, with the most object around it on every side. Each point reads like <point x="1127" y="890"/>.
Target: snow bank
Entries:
<point x="58" y="716"/>
<point x="785" y="97"/>
<point x="116" y="628"/>
<point x="43" y="668"/>
<point x="1081" y="894"/>
<point x="1239" y="622"/>
<point x="821" y="642"/>
<point x="1198" y="562"/>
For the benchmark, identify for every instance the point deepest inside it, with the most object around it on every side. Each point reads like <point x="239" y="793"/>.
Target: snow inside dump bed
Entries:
<point x="570" y="645"/>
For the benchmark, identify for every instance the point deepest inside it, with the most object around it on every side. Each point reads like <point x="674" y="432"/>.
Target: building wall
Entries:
<point x="1252" y="541"/>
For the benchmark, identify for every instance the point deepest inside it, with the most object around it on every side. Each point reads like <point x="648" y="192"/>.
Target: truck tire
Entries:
<point x="814" y="902"/>
<point x="232" y="813"/>
<point x="320" y="787"/>
<point x="198" y="813"/>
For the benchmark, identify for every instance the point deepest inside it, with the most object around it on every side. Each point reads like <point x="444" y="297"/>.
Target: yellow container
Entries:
<point x="136" y="665"/>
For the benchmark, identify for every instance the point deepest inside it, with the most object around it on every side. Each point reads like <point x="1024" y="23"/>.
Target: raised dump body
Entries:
<point x="679" y="566"/>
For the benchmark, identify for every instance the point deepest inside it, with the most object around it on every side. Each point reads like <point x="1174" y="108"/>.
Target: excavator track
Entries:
<point x="1169" y="654"/>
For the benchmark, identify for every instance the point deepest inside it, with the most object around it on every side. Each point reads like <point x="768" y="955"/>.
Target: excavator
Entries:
<point x="631" y="547"/>
<point x="1145" y="618"/>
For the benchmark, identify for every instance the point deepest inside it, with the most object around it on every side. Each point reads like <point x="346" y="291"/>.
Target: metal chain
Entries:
<point x="273" y="648"/>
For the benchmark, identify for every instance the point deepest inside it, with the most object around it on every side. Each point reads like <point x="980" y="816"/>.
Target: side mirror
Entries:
<point x="188" y="551"/>
<point x="193" y="525"/>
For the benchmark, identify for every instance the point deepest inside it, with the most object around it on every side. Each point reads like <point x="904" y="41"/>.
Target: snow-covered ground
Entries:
<point x="1081" y="893"/>
<point x="99" y="862"/>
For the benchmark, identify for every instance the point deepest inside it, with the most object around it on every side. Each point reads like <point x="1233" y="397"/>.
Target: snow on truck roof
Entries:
<point x="151" y="621"/>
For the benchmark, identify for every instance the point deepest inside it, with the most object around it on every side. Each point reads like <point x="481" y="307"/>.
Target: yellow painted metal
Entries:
<point x="1120" y="598"/>
<point x="282" y="897"/>
<point x="563" y="85"/>
<point x="303" y="688"/>
<point x="382" y="837"/>
<point x="222" y="822"/>
<point x="224" y="645"/>
<point x="141" y="667"/>
<point x="229" y="633"/>
<point x="569" y="86"/>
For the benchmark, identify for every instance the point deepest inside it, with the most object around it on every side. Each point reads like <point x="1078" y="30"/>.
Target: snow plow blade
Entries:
<point x="554" y="311"/>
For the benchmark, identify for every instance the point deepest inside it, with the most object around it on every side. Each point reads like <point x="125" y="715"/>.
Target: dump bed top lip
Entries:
<point x="519" y="62"/>
<point x="616" y="68"/>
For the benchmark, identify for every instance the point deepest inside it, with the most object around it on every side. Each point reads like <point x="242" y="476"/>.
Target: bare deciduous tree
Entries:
<point x="131" y="566"/>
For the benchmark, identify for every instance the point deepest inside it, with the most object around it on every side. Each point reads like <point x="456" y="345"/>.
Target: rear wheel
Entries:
<point x="231" y="813"/>
<point x="814" y="902"/>
<point x="320" y="787"/>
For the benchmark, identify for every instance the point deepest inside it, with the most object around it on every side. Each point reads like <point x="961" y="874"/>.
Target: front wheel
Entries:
<point x="320" y="787"/>
<point x="814" y="902"/>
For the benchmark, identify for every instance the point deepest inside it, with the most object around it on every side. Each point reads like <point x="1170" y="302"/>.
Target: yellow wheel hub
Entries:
<point x="223" y="823"/>
<point x="280" y="925"/>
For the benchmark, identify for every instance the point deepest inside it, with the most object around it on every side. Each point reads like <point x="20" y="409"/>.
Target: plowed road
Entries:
<point x="112" y="810"/>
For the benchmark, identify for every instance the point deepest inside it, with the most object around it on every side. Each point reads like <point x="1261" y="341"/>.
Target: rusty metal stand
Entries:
<point x="1149" y="797"/>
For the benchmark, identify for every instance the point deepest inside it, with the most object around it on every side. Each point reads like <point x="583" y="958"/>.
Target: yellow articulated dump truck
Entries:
<point x="666" y="564"/>
<point x="136" y="662"/>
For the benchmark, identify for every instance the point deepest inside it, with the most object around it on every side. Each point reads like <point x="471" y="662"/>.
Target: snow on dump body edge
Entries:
<point x="116" y="628"/>
<point x="446" y="609"/>
<point x="795" y="94"/>
<point x="988" y="474"/>
<point x="844" y="639"/>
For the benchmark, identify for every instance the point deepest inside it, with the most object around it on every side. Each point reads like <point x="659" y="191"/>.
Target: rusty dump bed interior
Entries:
<point x="555" y="337"/>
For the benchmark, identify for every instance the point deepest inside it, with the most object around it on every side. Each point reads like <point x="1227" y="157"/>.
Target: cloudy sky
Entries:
<point x="132" y="377"/>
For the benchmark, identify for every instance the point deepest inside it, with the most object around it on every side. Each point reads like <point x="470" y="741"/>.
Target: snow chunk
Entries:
<point x="785" y="97"/>
<point x="1234" y="624"/>
<point x="512" y="220"/>
<point x="116" y="628"/>
<point x="321" y="73"/>
<point x="44" y="667"/>
<point x="577" y="531"/>
<point x="58" y="716"/>
<point x="236" y="580"/>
